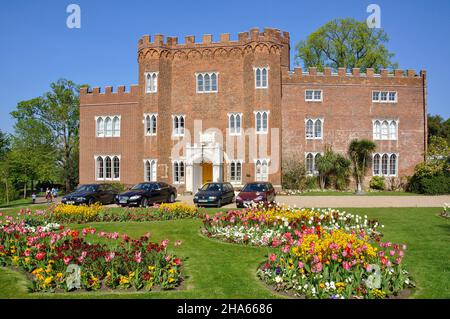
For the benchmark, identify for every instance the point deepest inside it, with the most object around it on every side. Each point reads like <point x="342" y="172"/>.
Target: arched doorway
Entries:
<point x="207" y="172"/>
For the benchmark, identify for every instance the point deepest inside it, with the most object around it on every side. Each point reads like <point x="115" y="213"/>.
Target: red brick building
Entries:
<point x="234" y="110"/>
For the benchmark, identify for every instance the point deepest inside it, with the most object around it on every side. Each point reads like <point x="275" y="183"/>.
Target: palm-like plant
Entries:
<point x="359" y="152"/>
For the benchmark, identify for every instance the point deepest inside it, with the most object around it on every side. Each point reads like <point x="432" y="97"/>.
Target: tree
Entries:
<point x="4" y="167"/>
<point x="359" y="152"/>
<point x="4" y="144"/>
<point x="57" y="110"/>
<point x="325" y="165"/>
<point x="346" y="43"/>
<point x="438" y="127"/>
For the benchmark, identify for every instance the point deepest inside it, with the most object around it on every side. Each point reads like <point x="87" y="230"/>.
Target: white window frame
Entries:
<point x="104" y="157"/>
<point x="262" y="177"/>
<point x="314" y="171"/>
<point x="237" y="180"/>
<point x="262" y="131"/>
<point x="175" y="172"/>
<point x="178" y="132"/>
<point x="380" y="168"/>
<point x="236" y="131"/>
<point x="380" y="93"/>
<point x="103" y="132"/>
<point x="153" y="169"/>
<point x="313" y="99"/>
<point x="146" y="128"/>
<point x="260" y="69"/>
<point x="197" y="74"/>
<point x="389" y="136"/>
<point x="155" y="86"/>
<point x="314" y="121"/>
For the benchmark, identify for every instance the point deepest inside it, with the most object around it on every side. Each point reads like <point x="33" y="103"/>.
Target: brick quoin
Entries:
<point x="347" y="107"/>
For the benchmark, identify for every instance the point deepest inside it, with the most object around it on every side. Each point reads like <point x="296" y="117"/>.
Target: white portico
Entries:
<point x="204" y="162"/>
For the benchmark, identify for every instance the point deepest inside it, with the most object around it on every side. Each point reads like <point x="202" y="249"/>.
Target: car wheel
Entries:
<point x="219" y="203"/>
<point x="171" y="198"/>
<point x="144" y="203"/>
<point x="90" y="201"/>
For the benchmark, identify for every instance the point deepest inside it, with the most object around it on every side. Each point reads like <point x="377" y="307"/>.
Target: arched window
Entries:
<point x="384" y="164"/>
<point x="151" y="82"/>
<point x="309" y="129"/>
<point x="100" y="168"/>
<point x="150" y="170"/>
<point x="148" y="83"/>
<point x="377" y="130"/>
<point x="150" y="124"/>
<point x="108" y="167"/>
<point x="200" y="83"/>
<point x="100" y="127"/>
<point x="258" y="78"/>
<point x="258" y="122"/>
<point x="154" y="82"/>
<point x="207" y="83"/>
<point x="178" y="172"/>
<point x="213" y="82"/>
<point x="238" y="123"/>
<point x="310" y="163"/>
<point x="384" y="130"/>
<point x="376" y="164"/>
<point x="116" y="167"/>
<point x="393" y="130"/>
<point x="116" y="126"/>
<point x="232" y="124"/>
<point x="262" y="170"/>
<point x="264" y="78"/>
<point x="108" y="127"/>
<point x="318" y="129"/>
<point x="393" y="165"/>
<point x="178" y="125"/>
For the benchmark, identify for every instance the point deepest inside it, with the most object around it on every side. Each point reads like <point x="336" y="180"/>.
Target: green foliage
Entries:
<point x="294" y="174"/>
<point x="436" y="185"/>
<point x="437" y="126"/>
<point x="118" y="187"/>
<point x="378" y="182"/>
<point x="346" y="43"/>
<point x="359" y="152"/>
<point x="438" y="148"/>
<point x="333" y="169"/>
<point x="311" y="182"/>
<point x="57" y="113"/>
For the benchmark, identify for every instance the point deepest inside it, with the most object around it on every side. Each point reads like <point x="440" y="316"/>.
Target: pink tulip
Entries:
<point x="300" y="265"/>
<point x="272" y="257"/>
<point x="67" y="260"/>
<point x="137" y="257"/>
<point x="110" y="256"/>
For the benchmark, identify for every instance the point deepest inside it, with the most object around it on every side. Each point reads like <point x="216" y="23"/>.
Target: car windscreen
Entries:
<point x="87" y="188"/>
<point x="255" y="188"/>
<point x="144" y="187"/>
<point x="211" y="188"/>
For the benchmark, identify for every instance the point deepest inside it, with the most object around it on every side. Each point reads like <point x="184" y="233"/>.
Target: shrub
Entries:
<point x="311" y="182"/>
<point x="377" y="182"/>
<point x="294" y="175"/>
<point x="436" y="185"/>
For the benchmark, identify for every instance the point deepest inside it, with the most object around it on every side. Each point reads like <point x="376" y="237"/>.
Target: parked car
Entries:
<point x="145" y="194"/>
<point x="256" y="192"/>
<point x="89" y="194"/>
<point x="214" y="194"/>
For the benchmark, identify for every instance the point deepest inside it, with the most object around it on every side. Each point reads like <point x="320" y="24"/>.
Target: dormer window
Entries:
<point x="151" y="82"/>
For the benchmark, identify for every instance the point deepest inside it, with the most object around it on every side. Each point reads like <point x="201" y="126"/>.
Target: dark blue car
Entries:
<point x="214" y="194"/>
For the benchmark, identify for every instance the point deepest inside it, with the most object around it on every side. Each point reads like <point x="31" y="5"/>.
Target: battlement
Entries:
<point x="254" y="35"/>
<point x="108" y="90"/>
<point x="298" y="73"/>
<point x="108" y="95"/>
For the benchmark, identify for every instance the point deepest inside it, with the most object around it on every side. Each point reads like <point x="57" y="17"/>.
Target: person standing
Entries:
<point x="33" y="197"/>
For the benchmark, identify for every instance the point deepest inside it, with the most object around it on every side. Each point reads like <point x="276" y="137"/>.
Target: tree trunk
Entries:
<point x="25" y="190"/>
<point x="7" y="191"/>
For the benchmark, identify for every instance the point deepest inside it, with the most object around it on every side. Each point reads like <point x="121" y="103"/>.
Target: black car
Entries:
<point x="214" y="194"/>
<point x="145" y="194"/>
<point x="89" y="194"/>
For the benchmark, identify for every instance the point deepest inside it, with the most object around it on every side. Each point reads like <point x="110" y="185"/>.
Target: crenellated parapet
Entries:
<point x="312" y="74"/>
<point x="97" y="95"/>
<point x="269" y="41"/>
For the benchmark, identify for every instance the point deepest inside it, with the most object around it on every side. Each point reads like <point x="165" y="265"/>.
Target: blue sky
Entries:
<point x="37" y="47"/>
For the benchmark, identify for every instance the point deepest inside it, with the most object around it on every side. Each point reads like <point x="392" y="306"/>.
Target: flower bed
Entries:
<point x="49" y="256"/>
<point x="96" y="213"/>
<point x="337" y="264"/>
<point x="317" y="253"/>
<point x="269" y="226"/>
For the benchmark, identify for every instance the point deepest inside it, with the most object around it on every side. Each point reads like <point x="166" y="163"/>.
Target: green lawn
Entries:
<point x="220" y="270"/>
